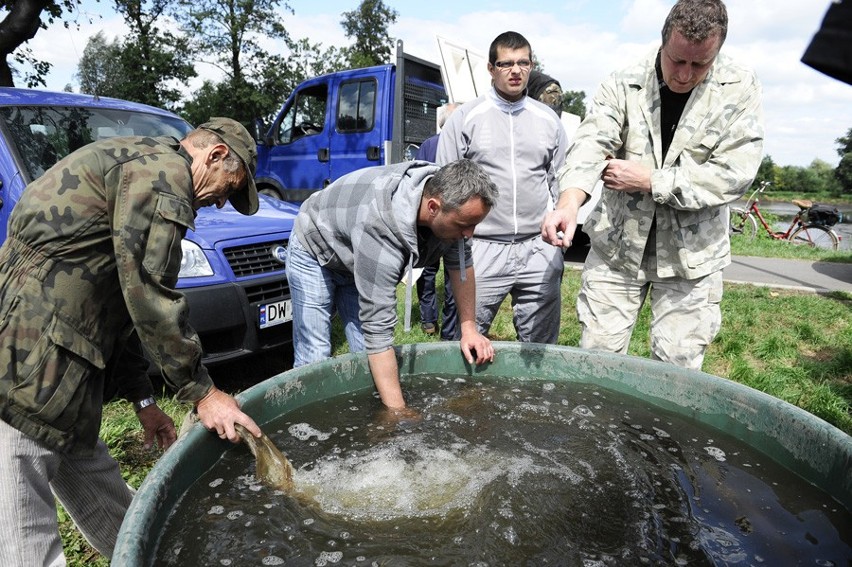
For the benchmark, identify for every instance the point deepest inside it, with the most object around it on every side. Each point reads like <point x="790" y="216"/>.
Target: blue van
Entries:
<point x="232" y="271"/>
<point x="340" y="122"/>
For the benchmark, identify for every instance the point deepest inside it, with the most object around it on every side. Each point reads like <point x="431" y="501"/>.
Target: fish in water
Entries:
<point x="273" y="468"/>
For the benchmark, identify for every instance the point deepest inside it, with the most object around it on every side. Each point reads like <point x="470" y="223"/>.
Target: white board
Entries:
<point x="465" y="72"/>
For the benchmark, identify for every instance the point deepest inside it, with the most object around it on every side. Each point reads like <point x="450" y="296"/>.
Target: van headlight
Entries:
<point x="194" y="263"/>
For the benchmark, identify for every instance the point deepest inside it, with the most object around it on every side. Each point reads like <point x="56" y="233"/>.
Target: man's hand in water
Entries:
<point x="388" y="421"/>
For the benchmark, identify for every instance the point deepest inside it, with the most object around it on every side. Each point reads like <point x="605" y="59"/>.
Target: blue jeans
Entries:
<point x="317" y="293"/>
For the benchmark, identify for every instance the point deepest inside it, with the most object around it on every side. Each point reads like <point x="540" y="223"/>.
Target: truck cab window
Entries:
<point x="306" y="117"/>
<point x="357" y="106"/>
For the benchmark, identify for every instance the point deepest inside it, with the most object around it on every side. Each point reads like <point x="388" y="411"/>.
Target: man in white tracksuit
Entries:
<point x="521" y="144"/>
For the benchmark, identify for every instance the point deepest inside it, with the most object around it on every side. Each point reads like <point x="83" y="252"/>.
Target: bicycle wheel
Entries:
<point x="743" y="223"/>
<point x="815" y="236"/>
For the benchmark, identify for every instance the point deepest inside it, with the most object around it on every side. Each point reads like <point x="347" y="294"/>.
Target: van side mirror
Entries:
<point x="259" y="130"/>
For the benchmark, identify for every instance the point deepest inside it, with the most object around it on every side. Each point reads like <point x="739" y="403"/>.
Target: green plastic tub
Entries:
<point x="807" y="445"/>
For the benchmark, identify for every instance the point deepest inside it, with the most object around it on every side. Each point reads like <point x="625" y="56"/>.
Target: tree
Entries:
<point x="368" y="26"/>
<point x="823" y="177"/>
<point x="22" y="21"/>
<point x="100" y="71"/>
<point x="153" y="60"/>
<point x="575" y="103"/>
<point x="818" y="177"/>
<point x="843" y="172"/>
<point x="766" y="172"/>
<point x="311" y="60"/>
<point x="145" y="67"/>
<point x="227" y="34"/>
<point x="844" y="144"/>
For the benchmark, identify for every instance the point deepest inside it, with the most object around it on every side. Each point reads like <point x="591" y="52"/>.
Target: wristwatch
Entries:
<point x="142" y="404"/>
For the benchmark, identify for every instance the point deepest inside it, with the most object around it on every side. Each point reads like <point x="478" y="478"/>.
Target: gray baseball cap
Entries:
<point x="241" y="143"/>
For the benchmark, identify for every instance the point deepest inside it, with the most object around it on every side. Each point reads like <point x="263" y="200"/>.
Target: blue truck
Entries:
<point x="232" y="270"/>
<point x="336" y="123"/>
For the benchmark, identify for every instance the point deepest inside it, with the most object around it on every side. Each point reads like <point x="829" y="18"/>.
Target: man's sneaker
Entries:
<point x="428" y="328"/>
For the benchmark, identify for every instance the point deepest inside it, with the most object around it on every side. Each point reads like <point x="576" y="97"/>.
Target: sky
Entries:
<point x="579" y="42"/>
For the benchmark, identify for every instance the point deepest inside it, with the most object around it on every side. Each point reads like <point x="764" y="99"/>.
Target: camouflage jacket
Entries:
<point x="94" y="251"/>
<point x="713" y="158"/>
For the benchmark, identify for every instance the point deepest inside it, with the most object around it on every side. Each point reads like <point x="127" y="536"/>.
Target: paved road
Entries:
<point x="804" y="275"/>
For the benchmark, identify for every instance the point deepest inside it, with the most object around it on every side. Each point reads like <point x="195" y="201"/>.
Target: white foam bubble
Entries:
<point x="217" y="482"/>
<point x="216" y="510"/>
<point x="583" y="411"/>
<point x="716" y="453"/>
<point x="327" y="557"/>
<point x="272" y="560"/>
<point x="304" y="431"/>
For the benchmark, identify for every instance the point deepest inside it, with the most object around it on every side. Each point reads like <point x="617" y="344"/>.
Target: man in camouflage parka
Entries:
<point x="93" y="252"/>
<point x="675" y="139"/>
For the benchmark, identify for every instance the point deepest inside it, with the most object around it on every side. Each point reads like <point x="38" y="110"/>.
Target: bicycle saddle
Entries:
<point x="803" y="203"/>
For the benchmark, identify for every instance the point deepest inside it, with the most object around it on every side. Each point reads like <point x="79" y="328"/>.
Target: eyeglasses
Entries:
<point x="523" y="64"/>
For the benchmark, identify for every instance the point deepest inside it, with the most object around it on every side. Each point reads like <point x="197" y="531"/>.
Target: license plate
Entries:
<point x="276" y="313"/>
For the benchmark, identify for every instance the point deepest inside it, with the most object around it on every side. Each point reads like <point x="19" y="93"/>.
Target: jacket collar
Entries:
<point x="505" y="105"/>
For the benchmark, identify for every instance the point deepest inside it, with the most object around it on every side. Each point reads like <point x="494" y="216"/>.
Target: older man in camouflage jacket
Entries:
<point x="675" y="139"/>
<point x="93" y="253"/>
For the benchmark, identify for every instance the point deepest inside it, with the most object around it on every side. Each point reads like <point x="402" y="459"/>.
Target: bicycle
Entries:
<point x="801" y="230"/>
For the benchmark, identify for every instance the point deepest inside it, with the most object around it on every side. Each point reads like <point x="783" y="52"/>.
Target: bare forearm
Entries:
<point x="385" y="372"/>
<point x="572" y="198"/>
<point x="464" y="293"/>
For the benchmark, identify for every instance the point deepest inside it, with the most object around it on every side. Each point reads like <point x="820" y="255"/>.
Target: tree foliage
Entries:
<point x="100" y="70"/>
<point x="230" y="35"/>
<point x="766" y="172"/>
<point x="368" y="27"/>
<point x="843" y="172"/>
<point x="155" y="60"/>
<point x="575" y="103"/>
<point x="23" y="19"/>
<point x="844" y="144"/>
<point x="149" y="66"/>
<point x="818" y="177"/>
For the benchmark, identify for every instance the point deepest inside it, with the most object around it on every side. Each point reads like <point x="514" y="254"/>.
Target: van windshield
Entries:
<point x="44" y="135"/>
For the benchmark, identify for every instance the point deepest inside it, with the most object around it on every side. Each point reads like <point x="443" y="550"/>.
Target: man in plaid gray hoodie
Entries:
<point x="353" y="242"/>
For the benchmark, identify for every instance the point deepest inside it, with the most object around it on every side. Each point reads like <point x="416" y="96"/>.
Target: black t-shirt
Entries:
<point x="671" y="108"/>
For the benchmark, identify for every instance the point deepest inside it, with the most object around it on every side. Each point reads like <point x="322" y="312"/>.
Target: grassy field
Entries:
<point x="792" y="345"/>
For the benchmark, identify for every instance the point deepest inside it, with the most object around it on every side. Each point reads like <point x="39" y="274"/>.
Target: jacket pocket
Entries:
<point x="702" y="236"/>
<point x="168" y="227"/>
<point x="51" y="385"/>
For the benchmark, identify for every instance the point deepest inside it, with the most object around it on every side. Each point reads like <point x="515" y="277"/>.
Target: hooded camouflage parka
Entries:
<point x="94" y="249"/>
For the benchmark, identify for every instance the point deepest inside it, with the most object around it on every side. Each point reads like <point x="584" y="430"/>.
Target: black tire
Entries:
<point x="815" y="236"/>
<point x="743" y="223"/>
<point x="270" y="192"/>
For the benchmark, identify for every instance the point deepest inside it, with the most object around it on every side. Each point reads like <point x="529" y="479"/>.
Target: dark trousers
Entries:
<point x="428" y="297"/>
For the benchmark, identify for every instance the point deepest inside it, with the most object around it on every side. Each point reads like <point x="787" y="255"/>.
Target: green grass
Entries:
<point x="792" y="345"/>
<point x="122" y="433"/>
<point x="765" y="246"/>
